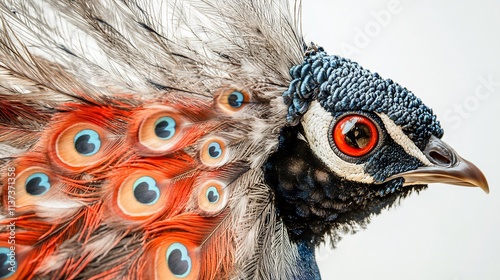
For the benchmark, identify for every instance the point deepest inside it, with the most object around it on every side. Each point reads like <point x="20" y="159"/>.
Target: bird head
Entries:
<point x="356" y="144"/>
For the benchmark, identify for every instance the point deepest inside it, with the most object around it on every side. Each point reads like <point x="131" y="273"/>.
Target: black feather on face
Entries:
<point x="356" y="145"/>
<point x="314" y="201"/>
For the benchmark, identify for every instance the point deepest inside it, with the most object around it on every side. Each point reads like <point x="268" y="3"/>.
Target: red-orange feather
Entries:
<point x="135" y="147"/>
<point x="94" y="186"/>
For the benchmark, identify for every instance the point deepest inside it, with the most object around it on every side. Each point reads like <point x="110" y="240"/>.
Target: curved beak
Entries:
<point x="448" y="168"/>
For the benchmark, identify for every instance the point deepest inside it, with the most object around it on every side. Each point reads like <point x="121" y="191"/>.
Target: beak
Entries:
<point x="448" y="168"/>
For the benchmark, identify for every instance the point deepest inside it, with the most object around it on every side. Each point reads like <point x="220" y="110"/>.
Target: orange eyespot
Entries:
<point x="177" y="260"/>
<point x="213" y="152"/>
<point x="355" y="135"/>
<point x="9" y="262"/>
<point x="141" y="194"/>
<point x="81" y="145"/>
<point x="232" y="100"/>
<point x="160" y="130"/>
<point x="212" y="197"/>
<point x="13" y="257"/>
<point x="33" y="184"/>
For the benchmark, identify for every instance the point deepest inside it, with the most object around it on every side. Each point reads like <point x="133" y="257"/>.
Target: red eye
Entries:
<point x="355" y="135"/>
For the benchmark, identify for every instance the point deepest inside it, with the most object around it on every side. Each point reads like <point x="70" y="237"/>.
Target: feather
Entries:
<point x="192" y="139"/>
<point x="111" y="69"/>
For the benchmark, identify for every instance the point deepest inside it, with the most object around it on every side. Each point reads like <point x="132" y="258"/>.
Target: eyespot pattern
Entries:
<point x="34" y="184"/>
<point x="158" y="131"/>
<point x="235" y="99"/>
<point x="8" y="264"/>
<point x="87" y="142"/>
<point x="213" y="152"/>
<point x="81" y="145"/>
<point x="178" y="260"/>
<point x="146" y="191"/>
<point x="232" y="100"/>
<point x="37" y="184"/>
<point x="165" y="128"/>
<point x="140" y="194"/>
<point x="355" y="135"/>
<point x="212" y="197"/>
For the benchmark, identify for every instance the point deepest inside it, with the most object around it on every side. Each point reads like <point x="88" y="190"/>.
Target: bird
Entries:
<point x="195" y="140"/>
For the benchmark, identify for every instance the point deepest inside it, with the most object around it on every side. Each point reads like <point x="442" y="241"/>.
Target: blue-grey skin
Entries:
<point x="342" y="85"/>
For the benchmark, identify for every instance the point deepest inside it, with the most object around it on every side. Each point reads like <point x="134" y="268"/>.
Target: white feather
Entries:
<point x="52" y="50"/>
<point x="403" y="140"/>
<point x="316" y="123"/>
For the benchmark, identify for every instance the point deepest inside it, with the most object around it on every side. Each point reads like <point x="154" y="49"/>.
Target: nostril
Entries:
<point x="439" y="159"/>
<point x="439" y="153"/>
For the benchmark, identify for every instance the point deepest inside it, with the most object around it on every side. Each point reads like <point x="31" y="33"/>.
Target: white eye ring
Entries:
<point x="316" y="123"/>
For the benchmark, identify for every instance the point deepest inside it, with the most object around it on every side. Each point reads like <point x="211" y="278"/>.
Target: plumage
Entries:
<point x="194" y="139"/>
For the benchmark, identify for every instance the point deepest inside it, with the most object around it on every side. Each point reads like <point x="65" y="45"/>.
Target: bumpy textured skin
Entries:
<point x="342" y="85"/>
<point x="163" y="139"/>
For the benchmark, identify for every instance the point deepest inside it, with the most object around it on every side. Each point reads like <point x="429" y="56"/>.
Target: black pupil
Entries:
<point x="212" y="196"/>
<point x="161" y="131"/>
<point x="176" y="264"/>
<point x="232" y="99"/>
<point x="83" y="146"/>
<point x="33" y="186"/>
<point x="213" y="152"/>
<point x="4" y="265"/>
<point x="359" y="136"/>
<point x="143" y="194"/>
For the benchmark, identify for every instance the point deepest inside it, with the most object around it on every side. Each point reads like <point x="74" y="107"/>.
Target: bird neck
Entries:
<point x="307" y="266"/>
<point x="304" y="189"/>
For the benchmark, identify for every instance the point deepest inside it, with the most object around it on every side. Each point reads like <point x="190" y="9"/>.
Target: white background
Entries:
<point x="440" y="50"/>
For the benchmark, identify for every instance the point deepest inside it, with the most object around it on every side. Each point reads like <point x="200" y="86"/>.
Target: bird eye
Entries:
<point x="355" y="135"/>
